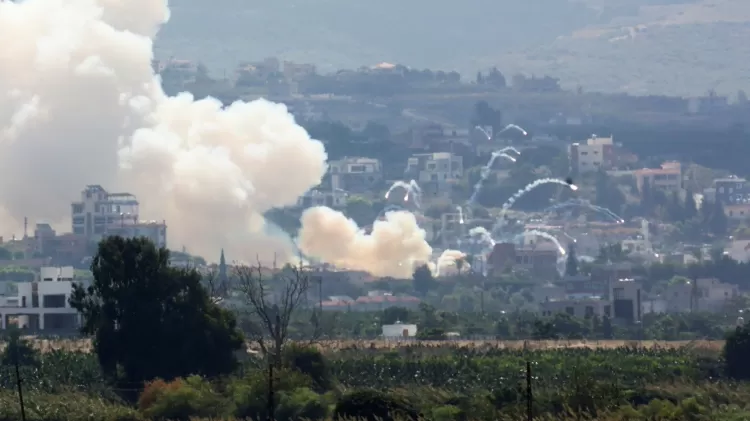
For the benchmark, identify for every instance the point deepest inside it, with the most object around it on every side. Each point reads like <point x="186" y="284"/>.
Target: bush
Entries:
<point x="250" y="394"/>
<point x="63" y="407"/>
<point x="309" y="361"/>
<point x="299" y="404"/>
<point x="736" y="350"/>
<point x="181" y="399"/>
<point x="373" y="406"/>
<point x="447" y="413"/>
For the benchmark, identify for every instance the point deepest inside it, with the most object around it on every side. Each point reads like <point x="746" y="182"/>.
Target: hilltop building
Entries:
<point x="100" y="214"/>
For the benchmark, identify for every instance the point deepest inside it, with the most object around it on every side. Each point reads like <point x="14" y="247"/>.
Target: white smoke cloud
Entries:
<point x="447" y="263"/>
<point x="395" y="247"/>
<point x="79" y="104"/>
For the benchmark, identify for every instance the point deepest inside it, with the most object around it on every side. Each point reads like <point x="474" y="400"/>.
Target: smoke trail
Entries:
<point x="413" y="191"/>
<point x="81" y="105"/>
<point x="514" y="127"/>
<point x="395" y="247"/>
<point x="482" y="237"/>
<point x="487" y="169"/>
<point x="545" y="235"/>
<point x="585" y="204"/>
<point x="460" y="214"/>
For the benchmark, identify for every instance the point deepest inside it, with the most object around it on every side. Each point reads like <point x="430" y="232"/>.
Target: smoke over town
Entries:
<point x="81" y="105"/>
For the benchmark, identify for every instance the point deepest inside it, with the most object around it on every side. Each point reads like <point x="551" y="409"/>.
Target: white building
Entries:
<point x="42" y="304"/>
<point x="332" y="199"/>
<point x="101" y="214"/>
<point x="703" y="294"/>
<point x="399" y="330"/>
<point x="596" y="153"/>
<point x="435" y="172"/>
<point x="576" y="307"/>
<point x="356" y="175"/>
<point x="626" y="296"/>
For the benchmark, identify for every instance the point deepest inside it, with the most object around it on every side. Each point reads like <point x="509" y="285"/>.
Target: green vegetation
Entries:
<point x="163" y="350"/>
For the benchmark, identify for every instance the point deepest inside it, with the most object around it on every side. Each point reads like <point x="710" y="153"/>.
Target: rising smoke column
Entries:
<point x="395" y="247"/>
<point x="79" y="104"/>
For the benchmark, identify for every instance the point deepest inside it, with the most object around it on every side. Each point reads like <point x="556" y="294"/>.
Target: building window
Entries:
<point x="78" y="220"/>
<point x="77" y="208"/>
<point x="589" y="311"/>
<point x="53" y="301"/>
<point x="570" y="310"/>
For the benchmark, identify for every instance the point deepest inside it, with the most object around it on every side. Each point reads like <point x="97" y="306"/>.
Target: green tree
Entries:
<point x="5" y="254"/>
<point x="736" y="350"/>
<point x="571" y="264"/>
<point x="18" y="351"/>
<point x="675" y="209"/>
<point x="151" y="320"/>
<point x="718" y="222"/>
<point x="422" y="280"/>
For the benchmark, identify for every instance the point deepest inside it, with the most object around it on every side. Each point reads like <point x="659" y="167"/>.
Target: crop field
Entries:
<point x="84" y="345"/>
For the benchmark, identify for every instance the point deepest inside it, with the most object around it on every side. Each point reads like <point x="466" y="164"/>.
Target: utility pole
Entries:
<point x="320" y="293"/>
<point x="18" y="380"/>
<point x="529" y="396"/>
<point x="270" y="407"/>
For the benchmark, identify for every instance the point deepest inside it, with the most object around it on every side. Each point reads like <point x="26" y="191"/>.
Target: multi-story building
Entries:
<point x="100" y="214"/>
<point x="297" y="71"/>
<point x="355" y="175"/>
<point x="667" y="178"/>
<point x="732" y="190"/>
<point x="43" y="303"/>
<point x="703" y="294"/>
<point x="435" y="172"/>
<point x="627" y="297"/>
<point x="331" y="199"/>
<point x="597" y="153"/>
<point x="540" y="259"/>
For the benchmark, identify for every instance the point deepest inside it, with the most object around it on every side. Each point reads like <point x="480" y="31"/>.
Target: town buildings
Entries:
<point x="355" y="174"/>
<point x="100" y="214"/>
<point x="435" y="172"/>
<point x="41" y="304"/>
<point x="597" y="153"/>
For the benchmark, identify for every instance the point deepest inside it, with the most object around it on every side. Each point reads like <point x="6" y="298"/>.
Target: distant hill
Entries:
<point x="655" y="46"/>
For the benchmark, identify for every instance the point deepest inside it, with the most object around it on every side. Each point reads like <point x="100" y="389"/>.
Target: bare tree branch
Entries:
<point x="272" y="299"/>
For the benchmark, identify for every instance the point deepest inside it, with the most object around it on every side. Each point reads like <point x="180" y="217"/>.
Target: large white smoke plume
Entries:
<point x="395" y="247"/>
<point x="79" y="104"/>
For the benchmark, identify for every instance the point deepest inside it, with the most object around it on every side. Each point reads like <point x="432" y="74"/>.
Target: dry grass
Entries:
<point x="84" y="345"/>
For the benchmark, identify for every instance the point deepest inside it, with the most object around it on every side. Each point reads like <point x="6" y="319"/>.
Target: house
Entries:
<point x="731" y="190"/>
<point x="315" y="197"/>
<point x="597" y="153"/>
<point x="703" y="294"/>
<point x="540" y="260"/>
<point x="355" y="174"/>
<point x="737" y="212"/>
<point x="577" y="307"/>
<point x="667" y="178"/>
<point x="43" y="303"/>
<point x="435" y="172"/>
<point x="100" y="214"/>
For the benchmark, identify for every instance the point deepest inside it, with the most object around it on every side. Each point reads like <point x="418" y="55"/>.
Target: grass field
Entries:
<point x="84" y="345"/>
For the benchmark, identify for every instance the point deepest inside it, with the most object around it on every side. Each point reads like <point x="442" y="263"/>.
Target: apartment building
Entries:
<point x="355" y="174"/>
<point x="703" y="294"/>
<point x="315" y="197"/>
<point x="732" y="190"/>
<point x="667" y="178"/>
<point x="100" y="214"/>
<point x="43" y="303"/>
<point x="435" y="172"/>
<point x="597" y="153"/>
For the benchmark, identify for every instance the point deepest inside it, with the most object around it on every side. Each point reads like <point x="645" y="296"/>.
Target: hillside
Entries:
<point x="610" y="45"/>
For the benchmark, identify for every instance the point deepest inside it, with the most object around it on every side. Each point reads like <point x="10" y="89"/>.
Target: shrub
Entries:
<point x="447" y="413"/>
<point x="309" y="361"/>
<point x="736" y="350"/>
<point x="250" y="394"/>
<point x="373" y="406"/>
<point x="301" y="403"/>
<point x="181" y="399"/>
